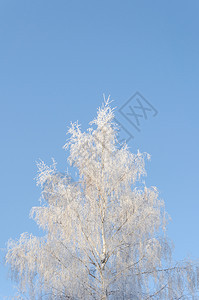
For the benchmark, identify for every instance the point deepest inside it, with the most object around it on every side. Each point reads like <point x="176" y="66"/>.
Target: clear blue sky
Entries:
<point x="57" y="58"/>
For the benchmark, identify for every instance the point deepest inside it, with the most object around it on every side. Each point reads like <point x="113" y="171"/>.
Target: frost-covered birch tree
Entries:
<point x="105" y="234"/>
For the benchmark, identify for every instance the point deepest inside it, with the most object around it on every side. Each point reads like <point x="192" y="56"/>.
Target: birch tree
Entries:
<point x="105" y="234"/>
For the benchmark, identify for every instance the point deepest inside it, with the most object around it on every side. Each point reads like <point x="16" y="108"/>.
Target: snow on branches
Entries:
<point x="105" y="235"/>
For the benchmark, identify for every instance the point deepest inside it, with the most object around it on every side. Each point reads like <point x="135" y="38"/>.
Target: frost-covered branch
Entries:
<point x="105" y="234"/>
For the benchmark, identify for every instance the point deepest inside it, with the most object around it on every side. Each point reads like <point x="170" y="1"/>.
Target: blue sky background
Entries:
<point x="57" y="58"/>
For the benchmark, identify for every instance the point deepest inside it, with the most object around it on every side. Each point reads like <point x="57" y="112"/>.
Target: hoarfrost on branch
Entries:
<point x="105" y="235"/>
